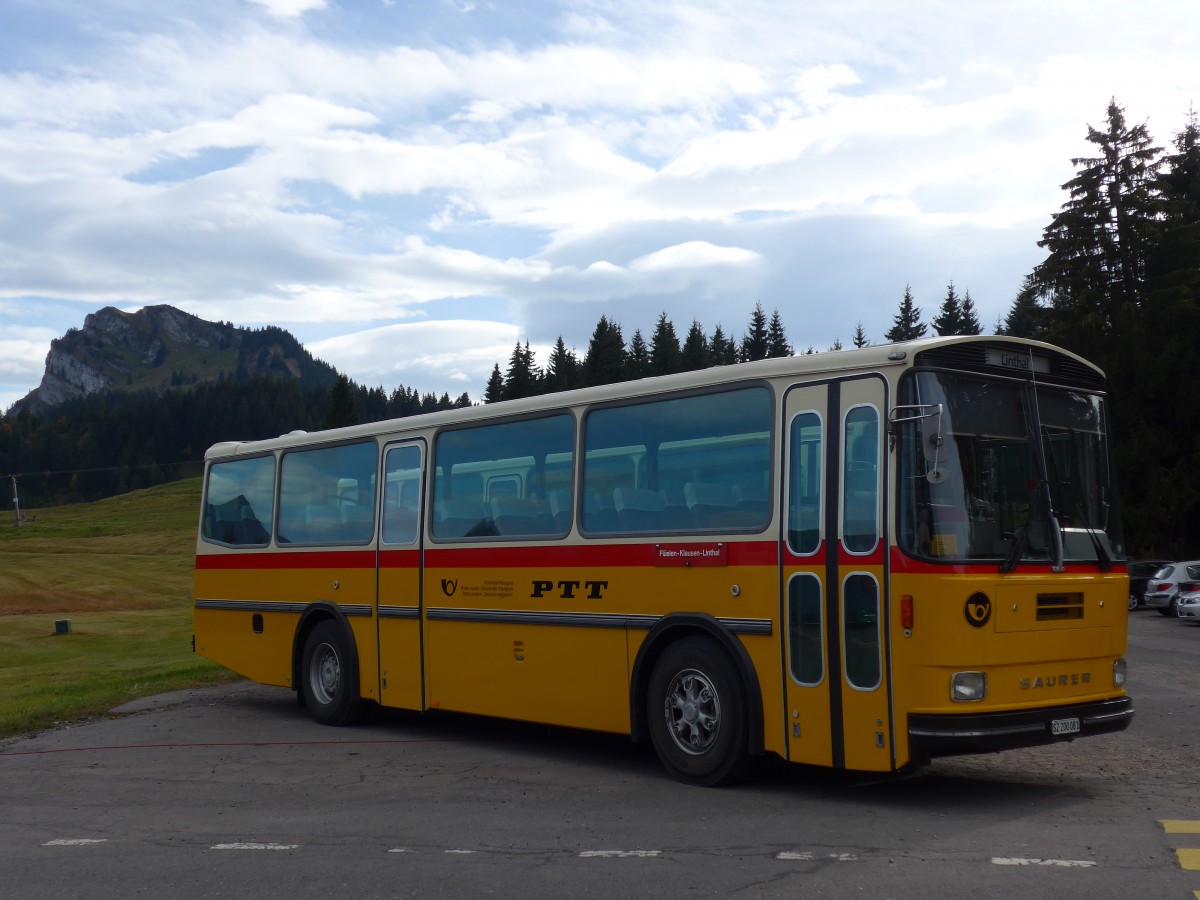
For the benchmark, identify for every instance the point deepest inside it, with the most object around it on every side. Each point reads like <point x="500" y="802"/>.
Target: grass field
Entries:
<point x="120" y="570"/>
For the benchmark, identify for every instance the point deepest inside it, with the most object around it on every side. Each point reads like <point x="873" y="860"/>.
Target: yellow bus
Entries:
<point x="860" y="559"/>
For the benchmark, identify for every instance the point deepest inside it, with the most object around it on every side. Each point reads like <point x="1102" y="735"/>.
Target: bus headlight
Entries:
<point x="968" y="687"/>
<point x="1119" y="673"/>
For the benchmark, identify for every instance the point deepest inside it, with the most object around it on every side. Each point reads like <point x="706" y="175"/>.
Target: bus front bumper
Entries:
<point x="948" y="735"/>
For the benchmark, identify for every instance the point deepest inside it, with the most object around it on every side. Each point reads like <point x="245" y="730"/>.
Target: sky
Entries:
<point x="411" y="187"/>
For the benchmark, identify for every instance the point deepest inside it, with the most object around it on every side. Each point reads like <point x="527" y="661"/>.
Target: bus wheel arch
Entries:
<point x="325" y="666"/>
<point x="682" y="656"/>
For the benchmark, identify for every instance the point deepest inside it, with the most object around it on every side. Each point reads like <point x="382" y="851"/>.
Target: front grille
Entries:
<point x="1059" y="607"/>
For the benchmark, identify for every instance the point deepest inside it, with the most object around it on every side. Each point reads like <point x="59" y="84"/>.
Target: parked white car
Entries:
<point x="1162" y="591"/>
<point x="1187" y="605"/>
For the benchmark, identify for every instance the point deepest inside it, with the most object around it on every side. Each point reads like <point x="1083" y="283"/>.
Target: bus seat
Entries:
<point x="710" y="504"/>
<point x="515" y="515"/>
<point x="638" y="509"/>
<point x="462" y="518"/>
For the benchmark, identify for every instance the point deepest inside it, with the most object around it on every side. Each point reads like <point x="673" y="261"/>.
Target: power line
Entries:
<point x="48" y="472"/>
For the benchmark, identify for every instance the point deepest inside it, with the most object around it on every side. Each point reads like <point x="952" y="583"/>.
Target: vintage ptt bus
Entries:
<point x="860" y="559"/>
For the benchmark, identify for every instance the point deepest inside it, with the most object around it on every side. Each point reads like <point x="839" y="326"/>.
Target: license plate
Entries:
<point x="1064" y="726"/>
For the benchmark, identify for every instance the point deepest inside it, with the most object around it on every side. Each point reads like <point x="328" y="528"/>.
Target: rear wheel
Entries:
<point x="1133" y="600"/>
<point x="697" y="715"/>
<point x="325" y="676"/>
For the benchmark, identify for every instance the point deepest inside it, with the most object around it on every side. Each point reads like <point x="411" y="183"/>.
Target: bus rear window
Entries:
<point x="239" y="501"/>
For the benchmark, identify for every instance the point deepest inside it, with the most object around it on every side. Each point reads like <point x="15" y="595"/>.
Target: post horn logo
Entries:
<point x="449" y="587"/>
<point x="978" y="610"/>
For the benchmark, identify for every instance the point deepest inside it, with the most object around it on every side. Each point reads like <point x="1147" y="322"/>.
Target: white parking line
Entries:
<point x="73" y="842"/>
<point x="253" y="846"/>
<point x="618" y="854"/>
<point x="808" y="855"/>
<point x="1065" y="863"/>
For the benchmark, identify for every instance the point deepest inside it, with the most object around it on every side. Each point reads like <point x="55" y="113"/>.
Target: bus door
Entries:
<point x="834" y="586"/>
<point x="398" y="609"/>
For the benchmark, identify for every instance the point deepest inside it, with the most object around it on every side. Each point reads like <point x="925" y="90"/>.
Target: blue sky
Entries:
<point x="411" y="187"/>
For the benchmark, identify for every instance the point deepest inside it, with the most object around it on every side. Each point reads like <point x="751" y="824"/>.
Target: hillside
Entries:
<point x="120" y="570"/>
<point x="160" y="347"/>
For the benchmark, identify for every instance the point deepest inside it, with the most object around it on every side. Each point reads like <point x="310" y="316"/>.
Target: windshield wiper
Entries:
<point x="1020" y="543"/>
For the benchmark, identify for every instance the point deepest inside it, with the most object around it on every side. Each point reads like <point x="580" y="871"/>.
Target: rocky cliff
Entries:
<point x="160" y="347"/>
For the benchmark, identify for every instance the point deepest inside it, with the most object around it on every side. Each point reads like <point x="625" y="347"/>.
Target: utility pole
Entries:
<point x="16" y="503"/>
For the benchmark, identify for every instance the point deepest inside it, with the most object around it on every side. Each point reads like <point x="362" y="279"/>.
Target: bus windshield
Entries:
<point x="998" y="469"/>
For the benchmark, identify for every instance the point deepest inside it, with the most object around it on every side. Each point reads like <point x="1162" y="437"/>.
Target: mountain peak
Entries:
<point x="161" y="347"/>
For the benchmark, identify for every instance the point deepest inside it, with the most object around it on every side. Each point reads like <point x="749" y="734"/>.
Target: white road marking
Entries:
<point x="463" y="852"/>
<point x="254" y="846"/>
<point x="808" y="856"/>
<point x="401" y="850"/>
<point x="618" y="854"/>
<point x="73" y="842"/>
<point x="1066" y="863"/>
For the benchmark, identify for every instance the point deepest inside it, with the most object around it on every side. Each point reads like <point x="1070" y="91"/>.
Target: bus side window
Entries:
<point x="323" y="500"/>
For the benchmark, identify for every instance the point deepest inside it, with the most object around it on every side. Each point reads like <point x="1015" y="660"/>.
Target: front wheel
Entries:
<point x="1133" y="601"/>
<point x="697" y="715"/>
<point x="325" y="676"/>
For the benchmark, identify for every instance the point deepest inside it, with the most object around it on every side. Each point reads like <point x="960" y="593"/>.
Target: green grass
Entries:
<point x="120" y="570"/>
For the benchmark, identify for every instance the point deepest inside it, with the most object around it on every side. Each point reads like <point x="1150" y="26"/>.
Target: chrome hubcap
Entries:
<point x="693" y="712"/>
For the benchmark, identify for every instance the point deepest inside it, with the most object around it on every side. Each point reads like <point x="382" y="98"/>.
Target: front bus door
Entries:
<point x="834" y="585"/>
<point x="399" y="595"/>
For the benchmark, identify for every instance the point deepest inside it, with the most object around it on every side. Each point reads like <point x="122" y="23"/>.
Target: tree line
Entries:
<point x="609" y="359"/>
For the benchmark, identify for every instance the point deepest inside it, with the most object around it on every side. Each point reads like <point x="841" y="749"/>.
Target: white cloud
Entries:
<point x="290" y="8"/>
<point x="448" y="356"/>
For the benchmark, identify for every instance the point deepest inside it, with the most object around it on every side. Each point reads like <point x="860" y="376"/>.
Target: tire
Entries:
<point x="1133" y="601"/>
<point x="696" y="712"/>
<point x="1165" y="611"/>
<point x="326" y="672"/>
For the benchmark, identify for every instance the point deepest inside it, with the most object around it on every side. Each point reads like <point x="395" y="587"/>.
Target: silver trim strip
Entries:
<point x="349" y="609"/>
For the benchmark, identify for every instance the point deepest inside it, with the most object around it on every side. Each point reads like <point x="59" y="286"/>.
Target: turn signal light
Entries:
<point x="906" y="612"/>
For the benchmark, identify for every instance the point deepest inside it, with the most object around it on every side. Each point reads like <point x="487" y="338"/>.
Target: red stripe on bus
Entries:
<point x="742" y="553"/>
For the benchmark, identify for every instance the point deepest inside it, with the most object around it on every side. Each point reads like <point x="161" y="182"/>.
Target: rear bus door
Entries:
<point x="398" y="611"/>
<point x="835" y="604"/>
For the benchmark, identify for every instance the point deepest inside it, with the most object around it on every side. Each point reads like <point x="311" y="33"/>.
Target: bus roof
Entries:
<point x="864" y="359"/>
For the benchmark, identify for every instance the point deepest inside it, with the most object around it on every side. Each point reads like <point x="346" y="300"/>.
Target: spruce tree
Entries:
<point x="969" y="316"/>
<point x="860" y="338"/>
<point x="605" y="360"/>
<point x="522" y="378"/>
<point x="777" y="342"/>
<point x="949" y="319"/>
<point x="342" y="409"/>
<point x="562" y="369"/>
<point x="695" y="352"/>
<point x="494" y="392"/>
<point x="1024" y="317"/>
<point x="907" y="325"/>
<point x="637" y="358"/>
<point x="1098" y="244"/>
<point x="664" y="348"/>
<point x="722" y="350"/>
<point x="754" y="342"/>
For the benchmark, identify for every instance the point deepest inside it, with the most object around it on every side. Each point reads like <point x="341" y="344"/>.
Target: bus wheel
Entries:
<point x="324" y="677"/>
<point x="696" y="712"/>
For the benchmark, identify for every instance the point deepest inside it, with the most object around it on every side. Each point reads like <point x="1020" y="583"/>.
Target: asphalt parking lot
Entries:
<point x="234" y="791"/>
